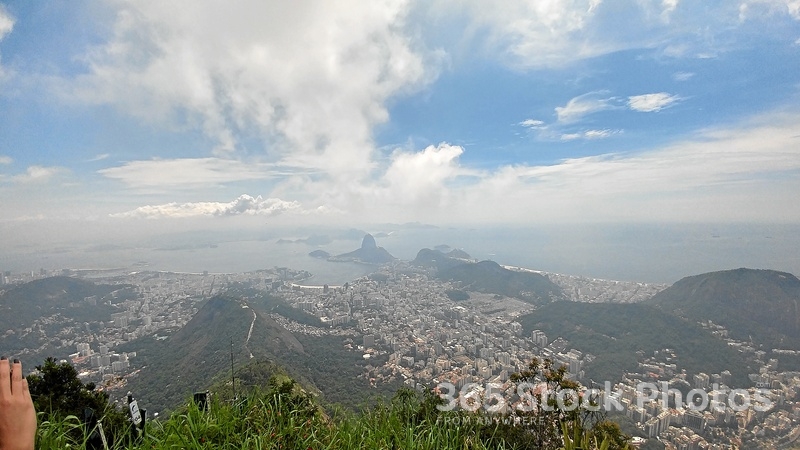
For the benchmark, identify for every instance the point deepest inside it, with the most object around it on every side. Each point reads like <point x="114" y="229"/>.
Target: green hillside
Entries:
<point x="71" y="299"/>
<point x="614" y="333"/>
<point x="763" y="305"/>
<point x="490" y="277"/>
<point x="200" y="352"/>
<point x="185" y="362"/>
<point x="439" y="260"/>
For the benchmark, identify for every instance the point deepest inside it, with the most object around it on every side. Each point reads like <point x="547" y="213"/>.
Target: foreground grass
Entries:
<point x="283" y="419"/>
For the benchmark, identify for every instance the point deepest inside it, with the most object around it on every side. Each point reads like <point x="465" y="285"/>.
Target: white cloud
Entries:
<point x="99" y="157"/>
<point x="651" y="102"/>
<point x="547" y="34"/>
<point x="744" y="172"/>
<point x="583" y="105"/>
<point x="243" y="205"/>
<point x="748" y="8"/>
<point x="38" y="174"/>
<point x="310" y="79"/>
<point x="682" y="76"/>
<point x="187" y="172"/>
<point x="421" y="177"/>
<point x="6" y="25"/>
<point x="599" y="134"/>
<point x="749" y="172"/>
<point x="532" y="123"/>
<point x="589" y="134"/>
<point x="5" y="160"/>
<point x="669" y="7"/>
<point x="6" y="22"/>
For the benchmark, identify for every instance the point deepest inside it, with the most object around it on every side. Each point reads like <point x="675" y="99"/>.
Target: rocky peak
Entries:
<point x="368" y="242"/>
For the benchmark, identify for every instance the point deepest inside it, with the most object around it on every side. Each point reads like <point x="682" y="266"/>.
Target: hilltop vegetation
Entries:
<point x="183" y="363"/>
<point x="614" y="333"/>
<point x="282" y="415"/>
<point x="488" y="277"/>
<point x="762" y="305"/>
<point x="187" y="361"/>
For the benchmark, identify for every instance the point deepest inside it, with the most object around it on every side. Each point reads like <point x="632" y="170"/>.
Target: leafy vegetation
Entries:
<point x="61" y="399"/>
<point x="174" y="368"/>
<point x="284" y="416"/>
<point x="186" y="362"/>
<point x="614" y="333"/>
<point x="758" y="305"/>
<point x="560" y="414"/>
<point x="280" y="414"/>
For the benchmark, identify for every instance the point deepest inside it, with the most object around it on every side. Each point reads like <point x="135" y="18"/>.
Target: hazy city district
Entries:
<point x="405" y="316"/>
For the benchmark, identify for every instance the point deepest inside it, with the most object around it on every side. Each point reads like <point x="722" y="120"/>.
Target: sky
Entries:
<point x="153" y="115"/>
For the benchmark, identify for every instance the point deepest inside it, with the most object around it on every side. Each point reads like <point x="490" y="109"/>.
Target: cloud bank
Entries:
<point x="243" y="205"/>
<point x="720" y="174"/>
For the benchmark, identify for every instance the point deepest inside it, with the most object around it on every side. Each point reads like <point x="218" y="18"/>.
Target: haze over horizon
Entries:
<point x="122" y="119"/>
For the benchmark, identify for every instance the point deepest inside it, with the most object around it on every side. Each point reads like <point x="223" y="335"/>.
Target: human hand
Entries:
<point x="17" y="415"/>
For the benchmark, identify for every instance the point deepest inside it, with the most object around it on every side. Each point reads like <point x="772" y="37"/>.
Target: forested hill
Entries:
<point x="186" y="362"/>
<point x="763" y="305"/>
<point x="490" y="277"/>
<point x="200" y="352"/>
<point x="615" y="333"/>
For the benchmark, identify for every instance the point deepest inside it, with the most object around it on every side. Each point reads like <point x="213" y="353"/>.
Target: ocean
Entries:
<point x="646" y="253"/>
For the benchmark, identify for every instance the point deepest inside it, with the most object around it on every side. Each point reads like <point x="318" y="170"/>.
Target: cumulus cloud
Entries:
<point x="243" y="205"/>
<point x="682" y="76"/>
<point x="187" y="172"/>
<point x="421" y="177"/>
<point x="651" y="102"/>
<point x="5" y="160"/>
<point x="309" y="79"/>
<point x="583" y="105"/>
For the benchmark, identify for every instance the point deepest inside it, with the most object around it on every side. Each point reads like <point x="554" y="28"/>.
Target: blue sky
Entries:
<point x="444" y="112"/>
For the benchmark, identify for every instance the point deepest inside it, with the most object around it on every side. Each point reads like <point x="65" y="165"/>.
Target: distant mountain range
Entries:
<point x="762" y="305"/>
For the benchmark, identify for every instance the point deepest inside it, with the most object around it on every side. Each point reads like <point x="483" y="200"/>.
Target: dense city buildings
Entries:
<point x="402" y="318"/>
